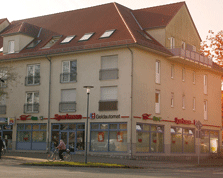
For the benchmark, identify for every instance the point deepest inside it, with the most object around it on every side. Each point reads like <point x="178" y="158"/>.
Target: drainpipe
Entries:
<point x="131" y="116"/>
<point x="48" y="125"/>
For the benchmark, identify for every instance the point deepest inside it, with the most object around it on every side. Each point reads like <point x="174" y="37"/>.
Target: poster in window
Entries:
<point x="100" y="136"/>
<point x="119" y="137"/>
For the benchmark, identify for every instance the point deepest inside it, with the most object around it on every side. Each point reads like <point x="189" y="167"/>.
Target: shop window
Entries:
<point x="149" y="138"/>
<point x="94" y="126"/>
<point x="68" y="101"/>
<point x="33" y="75"/>
<point x="80" y="126"/>
<point x="64" y="127"/>
<point x="69" y="71"/>
<point x="204" y="142"/>
<point x="109" y="67"/>
<point x="72" y="126"/>
<point x="38" y="136"/>
<point x="213" y="141"/>
<point x="209" y="141"/>
<point x="110" y="137"/>
<point x="35" y="127"/>
<point x="43" y="127"/>
<point x="56" y="127"/>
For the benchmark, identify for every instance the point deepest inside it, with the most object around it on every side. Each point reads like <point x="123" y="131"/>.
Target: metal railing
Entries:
<point x="108" y="105"/>
<point x="192" y="55"/>
<point x="68" y="77"/>
<point x="32" y="80"/>
<point x="67" y="106"/>
<point x="106" y="74"/>
<point x="31" y="108"/>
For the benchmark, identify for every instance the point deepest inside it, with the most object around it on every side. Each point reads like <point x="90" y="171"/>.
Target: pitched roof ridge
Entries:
<point x="126" y="25"/>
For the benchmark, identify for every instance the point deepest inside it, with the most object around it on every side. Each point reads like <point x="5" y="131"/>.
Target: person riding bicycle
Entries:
<point x="62" y="148"/>
<point x="1" y="146"/>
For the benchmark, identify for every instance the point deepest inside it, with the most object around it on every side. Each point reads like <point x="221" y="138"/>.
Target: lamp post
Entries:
<point x="88" y="93"/>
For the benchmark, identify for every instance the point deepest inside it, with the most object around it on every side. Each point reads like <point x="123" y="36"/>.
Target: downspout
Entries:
<point x="48" y="125"/>
<point x="131" y="107"/>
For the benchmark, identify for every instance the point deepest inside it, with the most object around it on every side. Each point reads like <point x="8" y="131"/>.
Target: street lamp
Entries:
<point x="88" y="93"/>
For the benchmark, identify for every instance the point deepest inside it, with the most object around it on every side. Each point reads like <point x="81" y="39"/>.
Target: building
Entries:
<point x="151" y="85"/>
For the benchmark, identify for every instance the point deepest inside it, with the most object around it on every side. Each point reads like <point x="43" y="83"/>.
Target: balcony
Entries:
<point x="67" y="106"/>
<point x="32" y="80"/>
<point x="2" y="109"/>
<point x="68" y="77"/>
<point x="192" y="56"/>
<point x="31" y="108"/>
<point x="108" y="105"/>
<point x="107" y="74"/>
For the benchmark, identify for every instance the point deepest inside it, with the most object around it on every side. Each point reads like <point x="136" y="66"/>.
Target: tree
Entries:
<point x="213" y="47"/>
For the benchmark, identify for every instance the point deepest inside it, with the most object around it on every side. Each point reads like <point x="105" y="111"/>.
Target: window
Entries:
<point x="68" y="100"/>
<point x="86" y="36"/>
<point x="194" y="104"/>
<point x="3" y="77"/>
<point x="108" y="137"/>
<point x="183" y="101"/>
<point x="3" y="104"/>
<point x="52" y="42"/>
<point x="157" y="71"/>
<point x="33" y="44"/>
<point x="194" y="77"/>
<point x="172" y="42"/>
<point x="109" y="99"/>
<point x="11" y="47"/>
<point x="68" y="39"/>
<point x="183" y="45"/>
<point x="183" y="74"/>
<point x="33" y="75"/>
<point x="172" y="71"/>
<point x="107" y="34"/>
<point x="194" y="48"/>
<point x="157" y="101"/>
<point x="205" y="110"/>
<point x="109" y="67"/>
<point x="149" y="138"/>
<point x="172" y="100"/>
<point x="69" y="71"/>
<point x="209" y="141"/>
<point x="205" y="84"/>
<point x="182" y="140"/>
<point x="32" y="102"/>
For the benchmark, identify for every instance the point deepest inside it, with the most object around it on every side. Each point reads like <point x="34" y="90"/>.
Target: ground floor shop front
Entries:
<point x="121" y="136"/>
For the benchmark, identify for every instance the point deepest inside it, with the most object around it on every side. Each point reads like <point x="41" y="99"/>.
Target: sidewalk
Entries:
<point x="40" y="157"/>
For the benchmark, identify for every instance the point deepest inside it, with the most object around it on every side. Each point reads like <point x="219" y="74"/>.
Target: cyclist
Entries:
<point x="1" y="146"/>
<point x="62" y="148"/>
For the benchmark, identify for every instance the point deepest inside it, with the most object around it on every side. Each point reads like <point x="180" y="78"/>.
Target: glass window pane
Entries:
<point x="24" y="136"/>
<point x="80" y="140"/>
<point x="66" y="67"/>
<point x="139" y="127"/>
<point x="30" y="70"/>
<point x="72" y="126"/>
<point x="176" y="143"/>
<point x="178" y="130"/>
<point x="99" y="141"/>
<point x="73" y="66"/>
<point x="39" y="136"/>
<point x="35" y="127"/>
<point x="103" y="126"/>
<point x="55" y="127"/>
<point x="204" y="143"/>
<point x="146" y="127"/>
<point x="43" y="127"/>
<point x="36" y="97"/>
<point x="214" y="141"/>
<point x="142" y="141"/>
<point x="29" y="98"/>
<point x="189" y="144"/>
<point x="80" y="126"/>
<point x="64" y="137"/>
<point x="113" y="126"/>
<point x="27" y="127"/>
<point x="37" y="70"/>
<point x="72" y="141"/>
<point x="157" y="143"/>
<point x="118" y="141"/>
<point x="55" y="139"/>
<point x="123" y="126"/>
<point x="20" y="126"/>
<point x="94" y="126"/>
<point x="64" y="127"/>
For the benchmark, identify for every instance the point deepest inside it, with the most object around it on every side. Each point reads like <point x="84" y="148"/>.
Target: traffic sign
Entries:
<point x="198" y="125"/>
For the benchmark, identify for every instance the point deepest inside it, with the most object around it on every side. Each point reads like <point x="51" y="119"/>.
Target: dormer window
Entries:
<point x="86" y="36"/>
<point x="11" y="47"/>
<point x="52" y="42"/>
<point x="33" y="44"/>
<point x="68" y="39"/>
<point x="107" y="34"/>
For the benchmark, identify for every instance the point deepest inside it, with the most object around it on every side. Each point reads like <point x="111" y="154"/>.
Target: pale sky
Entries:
<point x="207" y="14"/>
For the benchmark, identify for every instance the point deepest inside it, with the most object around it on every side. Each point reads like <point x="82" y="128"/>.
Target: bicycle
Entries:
<point x="53" y="155"/>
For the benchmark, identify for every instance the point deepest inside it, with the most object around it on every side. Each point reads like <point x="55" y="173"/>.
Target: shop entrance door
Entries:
<point x="69" y="138"/>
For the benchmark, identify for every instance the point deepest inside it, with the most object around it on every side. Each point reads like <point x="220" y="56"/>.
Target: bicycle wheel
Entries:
<point x="67" y="157"/>
<point x="51" y="156"/>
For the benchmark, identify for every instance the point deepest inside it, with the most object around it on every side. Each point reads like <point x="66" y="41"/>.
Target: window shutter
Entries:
<point x="109" y="93"/>
<point x="109" y="62"/>
<point x="68" y="95"/>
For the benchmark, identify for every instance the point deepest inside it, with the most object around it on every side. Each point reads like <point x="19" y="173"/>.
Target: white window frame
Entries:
<point x="172" y="71"/>
<point x="183" y="74"/>
<point x="183" y="102"/>
<point x="172" y="100"/>
<point x="194" y="77"/>
<point x="33" y="93"/>
<point x="157" y="102"/>
<point x="158" y="64"/>
<point x="194" y="103"/>
<point x="11" y="46"/>
<point x="69" y="63"/>
<point x="205" y="110"/>
<point x="205" y="84"/>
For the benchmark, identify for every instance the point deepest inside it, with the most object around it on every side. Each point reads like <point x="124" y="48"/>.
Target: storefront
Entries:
<point x="6" y="131"/>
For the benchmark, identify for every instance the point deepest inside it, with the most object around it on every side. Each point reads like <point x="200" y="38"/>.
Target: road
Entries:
<point x="10" y="168"/>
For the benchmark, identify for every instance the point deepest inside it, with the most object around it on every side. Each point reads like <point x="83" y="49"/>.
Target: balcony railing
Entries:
<point x="32" y="80"/>
<point x="68" y="77"/>
<point x="108" y="105"/>
<point x="106" y="74"/>
<point x="192" y="55"/>
<point x="67" y="106"/>
<point x="31" y="108"/>
<point x="2" y="109"/>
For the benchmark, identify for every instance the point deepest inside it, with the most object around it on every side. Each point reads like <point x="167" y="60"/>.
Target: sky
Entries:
<point x="207" y="14"/>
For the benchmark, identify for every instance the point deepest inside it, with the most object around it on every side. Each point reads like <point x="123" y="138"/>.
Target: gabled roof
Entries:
<point x="2" y="20"/>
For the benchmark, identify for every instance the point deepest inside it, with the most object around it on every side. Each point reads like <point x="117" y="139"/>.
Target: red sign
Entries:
<point x="67" y="116"/>
<point x="119" y="136"/>
<point x="100" y="136"/>
<point x="146" y="116"/>
<point x="24" y="117"/>
<point x="182" y="121"/>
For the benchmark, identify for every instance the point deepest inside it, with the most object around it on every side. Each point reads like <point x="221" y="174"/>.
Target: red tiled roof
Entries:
<point x="2" y="20"/>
